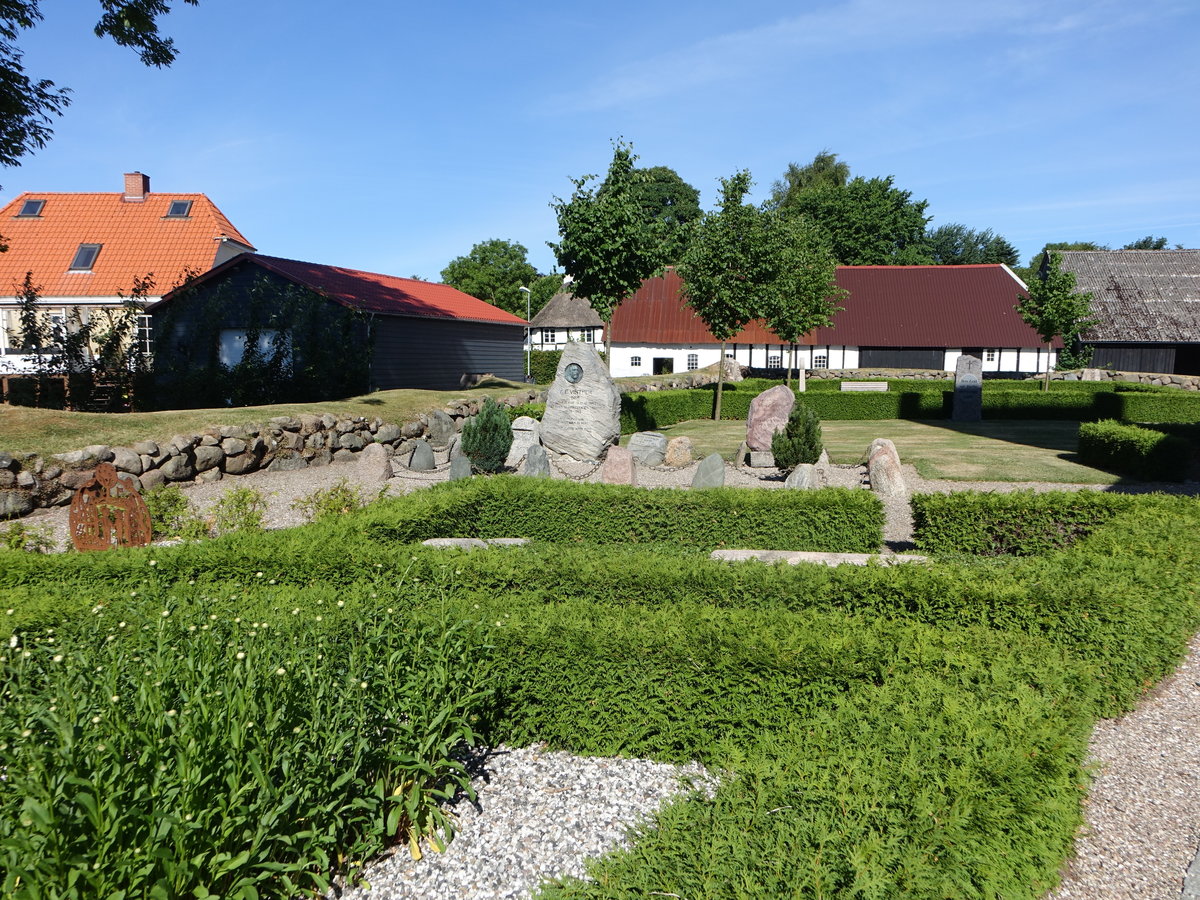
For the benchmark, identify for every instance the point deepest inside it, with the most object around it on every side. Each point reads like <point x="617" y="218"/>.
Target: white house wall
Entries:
<point x="1029" y="360"/>
<point x="557" y="338"/>
<point x="758" y="356"/>
<point x="11" y="359"/>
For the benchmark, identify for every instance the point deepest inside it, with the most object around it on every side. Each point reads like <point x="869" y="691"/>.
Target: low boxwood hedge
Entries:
<point x="1132" y="450"/>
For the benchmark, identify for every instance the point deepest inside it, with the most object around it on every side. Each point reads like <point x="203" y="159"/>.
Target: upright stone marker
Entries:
<point x="583" y="406"/>
<point x="710" y="473"/>
<point x="968" y="390"/>
<point x="769" y="413"/>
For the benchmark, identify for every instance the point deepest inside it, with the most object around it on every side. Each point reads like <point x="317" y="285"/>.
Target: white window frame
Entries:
<point x="774" y="361"/>
<point x="549" y="336"/>
<point x="820" y="361"/>
<point x="693" y="362"/>
<point x="635" y="362"/>
<point x="989" y="355"/>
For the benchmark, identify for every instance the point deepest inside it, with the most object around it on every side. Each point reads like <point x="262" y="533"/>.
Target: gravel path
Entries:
<point x="1142" y="815"/>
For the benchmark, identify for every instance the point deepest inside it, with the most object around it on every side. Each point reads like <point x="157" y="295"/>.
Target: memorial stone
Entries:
<point x="537" y="463"/>
<point x="618" y="467"/>
<point x="805" y="477"/>
<point x="441" y="429"/>
<point x="769" y="413"/>
<point x="460" y="467"/>
<point x="710" y="473"/>
<point x="648" y="447"/>
<point x="679" y="452"/>
<point x="422" y="457"/>
<point x="968" y="390"/>
<point x="583" y="406"/>
<point x="526" y="433"/>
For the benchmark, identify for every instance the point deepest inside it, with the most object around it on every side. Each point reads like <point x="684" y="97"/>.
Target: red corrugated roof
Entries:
<point x="887" y="306"/>
<point x="136" y="237"/>
<point x="373" y="292"/>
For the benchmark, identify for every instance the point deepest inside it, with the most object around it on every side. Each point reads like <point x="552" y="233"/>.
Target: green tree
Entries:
<point x="605" y="243"/>
<point x="803" y="295"/>
<point x="1053" y="308"/>
<point x="958" y="245"/>
<point x="1149" y="242"/>
<point x="544" y="287"/>
<point x="737" y="268"/>
<point x="493" y="272"/>
<point x="868" y="221"/>
<point x="824" y="171"/>
<point x="27" y="104"/>
<point x="670" y="204"/>
<point x="1030" y="272"/>
<point x="487" y="438"/>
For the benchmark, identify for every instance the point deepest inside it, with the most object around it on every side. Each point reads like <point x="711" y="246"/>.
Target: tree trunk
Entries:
<point x="791" y="362"/>
<point x="1046" y="383"/>
<point x="608" y="344"/>
<point x="720" y="384"/>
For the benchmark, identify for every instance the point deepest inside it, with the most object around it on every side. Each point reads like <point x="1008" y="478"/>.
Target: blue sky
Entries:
<point x="392" y="138"/>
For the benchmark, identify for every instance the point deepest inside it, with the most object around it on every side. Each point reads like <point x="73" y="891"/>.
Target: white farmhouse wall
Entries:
<point x="557" y="338"/>
<point x="12" y="359"/>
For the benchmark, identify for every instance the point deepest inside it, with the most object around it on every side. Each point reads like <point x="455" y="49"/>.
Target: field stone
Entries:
<point x="74" y="479"/>
<point x="618" y="467"/>
<point x="374" y="464"/>
<point x="125" y="460"/>
<point x="7" y="478"/>
<point x="6" y="460"/>
<point x="526" y="433"/>
<point x="710" y="473"/>
<point x="441" y="429"/>
<point x="805" y="477"/>
<point x="883" y="470"/>
<point x="287" y="463"/>
<point x="182" y="443"/>
<point x="99" y="452"/>
<point x="537" y="464"/>
<point x="75" y="458"/>
<point x="422" y="457"/>
<point x="15" y="503"/>
<point x="769" y="413"/>
<point x="350" y="440"/>
<point x="320" y="458"/>
<point x="209" y="476"/>
<point x="648" y="447"/>
<point x="388" y="433"/>
<point x="762" y="459"/>
<point x="240" y="463"/>
<point x="26" y="479"/>
<point x="411" y="430"/>
<point x="679" y="452"/>
<point x="152" y="479"/>
<point x="343" y="456"/>
<point x="233" y="446"/>
<point x="208" y="458"/>
<point x="460" y="467"/>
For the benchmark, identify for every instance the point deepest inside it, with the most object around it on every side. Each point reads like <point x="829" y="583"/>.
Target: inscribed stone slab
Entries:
<point x="583" y="406"/>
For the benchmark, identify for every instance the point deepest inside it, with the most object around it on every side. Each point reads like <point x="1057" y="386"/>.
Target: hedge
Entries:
<point x="563" y="512"/>
<point x="1021" y="523"/>
<point x="1132" y="450"/>
<point x="1164" y="406"/>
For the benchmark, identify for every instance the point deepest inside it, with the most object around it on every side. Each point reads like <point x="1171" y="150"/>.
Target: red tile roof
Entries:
<point x="136" y="237"/>
<point x="887" y="306"/>
<point x="371" y="291"/>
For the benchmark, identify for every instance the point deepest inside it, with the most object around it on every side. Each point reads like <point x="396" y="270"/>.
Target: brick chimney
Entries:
<point x="137" y="186"/>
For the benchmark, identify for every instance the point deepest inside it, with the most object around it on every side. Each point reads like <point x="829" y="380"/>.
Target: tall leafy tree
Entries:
<point x="27" y="104"/>
<point x="740" y="265"/>
<point x="1149" y="242"/>
<point x="544" y="287"/>
<point x="958" y="245"/>
<point x="868" y="221"/>
<point x="605" y="243"/>
<point x="826" y="170"/>
<point x="493" y="272"/>
<point x="1053" y="308"/>
<point x="802" y="294"/>
<point x="670" y="204"/>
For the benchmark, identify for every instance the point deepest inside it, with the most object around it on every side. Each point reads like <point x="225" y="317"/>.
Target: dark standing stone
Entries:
<point x="422" y="457"/>
<point x="460" y="467"/>
<point x="968" y="390"/>
<point x="441" y="429"/>
<point x="648" y="447"/>
<point x="537" y="464"/>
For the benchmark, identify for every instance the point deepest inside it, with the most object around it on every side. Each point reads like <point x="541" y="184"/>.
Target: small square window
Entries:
<point x="693" y="362"/>
<point x="85" y="257"/>
<point x="774" y="362"/>
<point x="990" y="356"/>
<point x="31" y="209"/>
<point x="180" y="209"/>
<point x="548" y="335"/>
<point x="820" y="360"/>
<point x="635" y="361"/>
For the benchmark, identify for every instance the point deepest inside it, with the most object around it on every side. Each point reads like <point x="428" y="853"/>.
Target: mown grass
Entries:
<point x="1014" y="450"/>
<point x="917" y="732"/>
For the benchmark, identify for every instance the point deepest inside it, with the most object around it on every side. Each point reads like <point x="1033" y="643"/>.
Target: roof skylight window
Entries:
<point x="31" y="208"/>
<point x="85" y="257"/>
<point x="180" y="209"/>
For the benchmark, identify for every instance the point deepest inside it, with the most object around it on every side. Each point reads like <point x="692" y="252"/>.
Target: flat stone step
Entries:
<point x="792" y="557"/>
<point x="473" y="543"/>
<point x="864" y="385"/>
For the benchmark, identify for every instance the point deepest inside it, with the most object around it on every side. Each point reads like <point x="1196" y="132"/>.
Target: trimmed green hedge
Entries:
<point x="551" y="510"/>
<point x="1132" y="450"/>
<point x="1021" y="523"/>
<point x="1163" y="406"/>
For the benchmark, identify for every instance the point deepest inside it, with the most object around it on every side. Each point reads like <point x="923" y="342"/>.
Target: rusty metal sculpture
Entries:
<point x="109" y="512"/>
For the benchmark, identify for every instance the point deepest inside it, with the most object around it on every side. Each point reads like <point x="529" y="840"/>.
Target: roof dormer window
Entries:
<point x="31" y="209"/>
<point x="85" y="257"/>
<point x="180" y="209"/>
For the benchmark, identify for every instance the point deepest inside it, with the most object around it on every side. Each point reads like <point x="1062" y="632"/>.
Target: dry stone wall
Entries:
<point x="283" y="443"/>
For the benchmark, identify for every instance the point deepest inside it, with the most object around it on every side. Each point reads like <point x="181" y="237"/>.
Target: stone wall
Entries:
<point x="27" y="481"/>
<point x="1186" y="382"/>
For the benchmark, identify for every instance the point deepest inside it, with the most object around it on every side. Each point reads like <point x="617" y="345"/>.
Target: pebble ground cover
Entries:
<point x="917" y="731"/>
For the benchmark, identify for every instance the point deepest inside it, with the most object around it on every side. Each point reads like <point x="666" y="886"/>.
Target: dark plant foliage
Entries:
<point x="1132" y="450"/>
<point x="487" y="437"/>
<point x="800" y="440"/>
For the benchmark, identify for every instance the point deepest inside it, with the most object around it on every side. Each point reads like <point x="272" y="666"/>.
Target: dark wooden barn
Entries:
<point x="320" y="332"/>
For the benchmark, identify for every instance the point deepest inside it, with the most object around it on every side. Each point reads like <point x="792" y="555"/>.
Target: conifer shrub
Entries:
<point x="487" y="438"/>
<point x="800" y="440"/>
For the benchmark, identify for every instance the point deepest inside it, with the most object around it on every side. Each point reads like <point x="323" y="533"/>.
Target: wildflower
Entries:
<point x="258" y="574"/>
<point x="96" y="609"/>
<point x="120" y="624"/>
<point x="191" y="581"/>
<point x="341" y="603"/>
<point x="296" y="730"/>
<point x="188" y="817"/>
<point x="53" y="709"/>
<point x="272" y="581"/>
<point x="95" y="720"/>
<point x="27" y="732"/>
<point x="238" y="620"/>
<point x="296" y="611"/>
<point x="170" y="713"/>
<point x="363" y="685"/>
<point x="241" y="655"/>
<point x="58" y="658"/>
<point x="111" y="637"/>
<point x="133" y="593"/>
<point x="191" y="628"/>
<point x="319" y="618"/>
<point x="12" y="641"/>
<point x="11" y="611"/>
<point x="101" y="748"/>
<point x="212" y="617"/>
<point x="166" y="612"/>
<point x="281" y="671"/>
<point x="390" y="610"/>
<point x="154" y="562"/>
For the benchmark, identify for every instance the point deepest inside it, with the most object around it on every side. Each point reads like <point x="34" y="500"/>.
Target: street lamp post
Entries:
<point x="528" y="333"/>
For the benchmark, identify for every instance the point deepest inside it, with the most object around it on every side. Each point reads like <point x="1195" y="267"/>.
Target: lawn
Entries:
<point x="1007" y="450"/>
<point x="46" y="431"/>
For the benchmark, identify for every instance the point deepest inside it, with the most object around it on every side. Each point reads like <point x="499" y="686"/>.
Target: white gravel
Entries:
<point x="1142" y="815"/>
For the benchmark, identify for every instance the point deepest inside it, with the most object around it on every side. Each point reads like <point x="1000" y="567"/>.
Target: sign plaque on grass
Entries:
<point x="109" y="512"/>
<point x="968" y="390"/>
